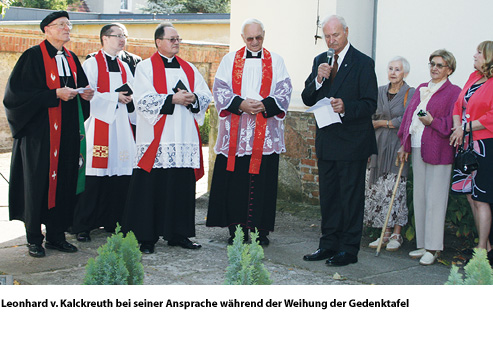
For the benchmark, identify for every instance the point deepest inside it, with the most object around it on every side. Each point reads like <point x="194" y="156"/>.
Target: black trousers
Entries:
<point x="101" y="204"/>
<point x="342" y="204"/>
<point x="160" y="203"/>
<point x="240" y="198"/>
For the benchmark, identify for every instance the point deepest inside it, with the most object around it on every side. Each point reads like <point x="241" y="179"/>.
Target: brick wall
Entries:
<point x="298" y="179"/>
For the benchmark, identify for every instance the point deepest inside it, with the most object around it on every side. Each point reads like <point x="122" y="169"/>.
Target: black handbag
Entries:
<point x="465" y="159"/>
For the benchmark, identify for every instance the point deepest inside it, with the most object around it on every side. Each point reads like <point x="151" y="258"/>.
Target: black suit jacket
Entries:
<point x="356" y="84"/>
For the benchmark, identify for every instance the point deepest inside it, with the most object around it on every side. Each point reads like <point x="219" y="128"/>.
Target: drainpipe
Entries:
<point x="374" y="35"/>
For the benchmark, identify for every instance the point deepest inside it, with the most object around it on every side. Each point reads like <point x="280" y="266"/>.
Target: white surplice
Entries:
<point x="179" y="146"/>
<point x="281" y="90"/>
<point x="105" y="107"/>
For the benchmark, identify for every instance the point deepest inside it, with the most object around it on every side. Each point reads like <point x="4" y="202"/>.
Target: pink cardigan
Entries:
<point x="479" y="107"/>
<point x="435" y="146"/>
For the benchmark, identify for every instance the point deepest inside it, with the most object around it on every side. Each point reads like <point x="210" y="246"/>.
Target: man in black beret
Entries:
<point x="48" y="154"/>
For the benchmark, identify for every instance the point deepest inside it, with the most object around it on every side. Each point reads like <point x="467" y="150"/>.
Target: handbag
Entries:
<point x="465" y="159"/>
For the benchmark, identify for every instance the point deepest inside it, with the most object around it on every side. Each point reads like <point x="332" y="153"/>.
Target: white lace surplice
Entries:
<point x="105" y="107"/>
<point x="179" y="145"/>
<point x="251" y="82"/>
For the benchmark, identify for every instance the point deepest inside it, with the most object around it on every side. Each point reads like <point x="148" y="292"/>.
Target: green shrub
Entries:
<point x="118" y="262"/>
<point x="205" y="128"/>
<point x="245" y="262"/>
<point x="478" y="271"/>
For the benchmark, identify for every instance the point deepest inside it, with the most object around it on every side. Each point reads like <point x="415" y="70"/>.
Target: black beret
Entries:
<point x="51" y="17"/>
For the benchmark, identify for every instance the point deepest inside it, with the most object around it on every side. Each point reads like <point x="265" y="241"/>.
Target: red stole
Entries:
<point x="260" y="122"/>
<point x="159" y="83"/>
<point x="55" y="116"/>
<point x="101" y="129"/>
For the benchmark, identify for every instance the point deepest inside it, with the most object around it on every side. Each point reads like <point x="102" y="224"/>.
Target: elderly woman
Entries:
<point x="382" y="175"/>
<point x="475" y="106"/>
<point x="425" y="132"/>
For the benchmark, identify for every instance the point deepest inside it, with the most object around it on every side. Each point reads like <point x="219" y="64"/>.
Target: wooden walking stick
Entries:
<point x="390" y="205"/>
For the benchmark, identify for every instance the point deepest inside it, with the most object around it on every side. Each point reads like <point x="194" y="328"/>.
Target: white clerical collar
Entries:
<point x="254" y="54"/>
<point x="113" y="57"/>
<point x="168" y="59"/>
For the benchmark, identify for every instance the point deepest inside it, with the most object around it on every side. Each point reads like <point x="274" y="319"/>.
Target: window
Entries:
<point x="124" y="5"/>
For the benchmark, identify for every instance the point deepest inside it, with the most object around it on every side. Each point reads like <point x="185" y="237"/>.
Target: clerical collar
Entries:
<point x="250" y="54"/>
<point x="109" y="55"/>
<point x="170" y="62"/>
<point x="52" y="51"/>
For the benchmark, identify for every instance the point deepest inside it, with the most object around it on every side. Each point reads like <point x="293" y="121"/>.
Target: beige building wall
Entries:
<point x="414" y="29"/>
<point x="204" y="31"/>
<point x="290" y="27"/>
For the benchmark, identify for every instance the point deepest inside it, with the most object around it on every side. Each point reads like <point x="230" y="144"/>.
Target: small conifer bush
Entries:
<point x="118" y="262"/>
<point x="478" y="271"/>
<point x="245" y="262"/>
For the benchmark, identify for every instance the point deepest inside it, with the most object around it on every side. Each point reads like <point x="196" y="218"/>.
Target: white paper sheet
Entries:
<point x="324" y="113"/>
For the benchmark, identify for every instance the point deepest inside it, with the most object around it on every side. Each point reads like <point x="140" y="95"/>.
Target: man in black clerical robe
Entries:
<point x="46" y="151"/>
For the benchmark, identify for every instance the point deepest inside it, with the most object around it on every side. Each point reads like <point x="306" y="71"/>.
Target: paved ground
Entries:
<point x="295" y="235"/>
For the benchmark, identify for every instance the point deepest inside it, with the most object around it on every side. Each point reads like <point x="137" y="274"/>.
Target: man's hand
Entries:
<point x="252" y="106"/>
<point x="183" y="97"/>
<point x="66" y="93"/>
<point x="337" y="105"/>
<point x="324" y="70"/>
<point x="124" y="97"/>
<point x="87" y="94"/>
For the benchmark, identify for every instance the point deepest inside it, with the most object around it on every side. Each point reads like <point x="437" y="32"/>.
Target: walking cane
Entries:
<point x="390" y="206"/>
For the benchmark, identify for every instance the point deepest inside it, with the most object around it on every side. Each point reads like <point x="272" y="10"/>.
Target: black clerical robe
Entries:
<point x="27" y="100"/>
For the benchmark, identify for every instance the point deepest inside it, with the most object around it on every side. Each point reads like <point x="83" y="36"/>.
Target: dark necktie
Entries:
<point x="333" y="72"/>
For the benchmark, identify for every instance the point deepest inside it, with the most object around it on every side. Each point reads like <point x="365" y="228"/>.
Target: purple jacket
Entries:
<point x="435" y="148"/>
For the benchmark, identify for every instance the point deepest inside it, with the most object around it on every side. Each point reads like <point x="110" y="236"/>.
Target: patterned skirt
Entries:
<point x="377" y="200"/>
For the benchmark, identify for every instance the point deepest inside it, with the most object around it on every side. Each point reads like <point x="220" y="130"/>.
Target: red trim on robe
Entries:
<point x="101" y="129"/>
<point x="55" y="116"/>
<point x="260" y="121"/>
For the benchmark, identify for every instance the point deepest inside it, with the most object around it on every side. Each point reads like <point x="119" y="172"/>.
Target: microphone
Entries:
<point x="330" y="56"/>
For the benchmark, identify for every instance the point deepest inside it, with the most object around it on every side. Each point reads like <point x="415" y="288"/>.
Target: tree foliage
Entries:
<point x="187" y="6"/>
<point x="245" y="262"/>
<point x="118" y="262"/>
<point x="59" y="5"/>
<point x="478" y="271"/>
<point x="4" y="4"/>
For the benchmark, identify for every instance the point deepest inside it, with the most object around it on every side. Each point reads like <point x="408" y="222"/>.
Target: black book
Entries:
<point x="126" y="88"/>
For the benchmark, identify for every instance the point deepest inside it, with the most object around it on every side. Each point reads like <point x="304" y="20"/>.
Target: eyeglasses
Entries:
<point x="119" y="36"/>
<point x="173" y="40"/>
<point x="439" y="66"/>
<point x="258" y="38"/>
<point x="61" y="25"/>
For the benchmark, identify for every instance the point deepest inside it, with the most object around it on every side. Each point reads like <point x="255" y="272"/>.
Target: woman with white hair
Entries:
<point x="382" y="172"/>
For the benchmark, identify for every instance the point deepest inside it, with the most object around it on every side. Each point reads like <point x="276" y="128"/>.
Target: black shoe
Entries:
<point x="184" y="243"/>
<point x="36" y="250"/>
<point x="263" y="240"/>
<point x="61" y="246"/>
<point x="341" y="259"/>
<point x="83" y="236"/>
<point x="319" y="255"/>
<point x="147" y="248"/>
